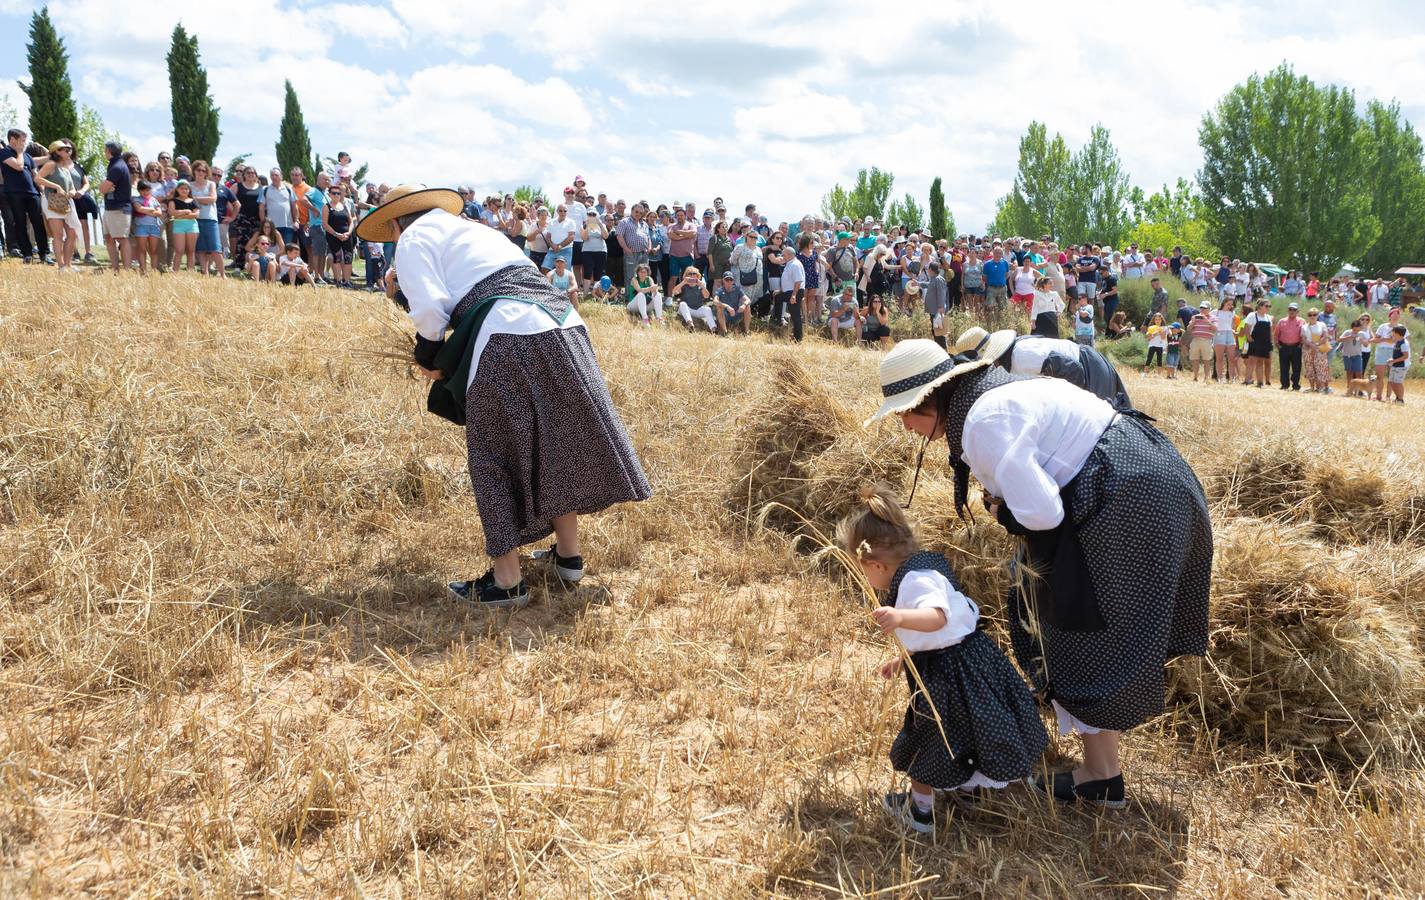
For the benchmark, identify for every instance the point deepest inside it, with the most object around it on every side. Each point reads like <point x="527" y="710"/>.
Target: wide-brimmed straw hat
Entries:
<point x="915" y="368"/>
<point x="402" y="200"/>
<point x="978" y="342"/>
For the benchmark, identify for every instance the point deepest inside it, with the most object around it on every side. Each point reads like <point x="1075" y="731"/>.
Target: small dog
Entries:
<point x="1360" y="386"/>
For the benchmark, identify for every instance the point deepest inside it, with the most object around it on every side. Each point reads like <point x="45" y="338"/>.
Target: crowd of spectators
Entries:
<point x="716" y="270"/>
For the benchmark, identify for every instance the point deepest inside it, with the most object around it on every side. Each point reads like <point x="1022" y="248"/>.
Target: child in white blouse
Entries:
<point x="972" y="725"/>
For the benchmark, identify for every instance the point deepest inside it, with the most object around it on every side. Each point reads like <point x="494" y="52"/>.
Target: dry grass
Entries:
<point x="230" y="669"/>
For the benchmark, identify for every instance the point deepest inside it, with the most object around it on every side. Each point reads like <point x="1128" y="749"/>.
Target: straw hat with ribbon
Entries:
<point x="915" y="368"/>
<point x="403" y="200"/>
<point x="978" y="342"/>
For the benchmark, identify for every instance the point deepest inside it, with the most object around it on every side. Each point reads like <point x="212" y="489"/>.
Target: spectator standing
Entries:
<point x="1384" y="343"/>
<point x="208" y="246"/>
<point x="1024" y="278"/>
<point x="594" y="251"/>
<point x="1293" y="286"/>
<point x="339" y="223"/>
<point x="720" y="248"/>
<point x="301" y="214"/>
<point x="249" y="218"/>
<point x="973" y="276"/>
<point x="315" y="200"/>
<point x="1134" y="263"/>
<point x="182" y="212"/>
<point x="812" y="294"/>
<point x="702" y="239"/>
<point x="937" y="301"/>
<point x="1288" y="337"/>
<point x="681" y="235"/>
<point x="22" y="199"/>
<point x="561" y="232"/>
<point x="1399" y="362"/>
<point x="1087" y="267"/>
<point x="1258" y="327"/>
<point x="276" y="206"/>
<point x="633" y="239"/>
<point x="746" y="265"/>
<point x="118" y="216"/>
<point x="996" y="279"/>
<point x="1355" y="344"/>
<point x="148" y="228"/>
<point x="1108" y="293"/>
<point x="793" y="284"/>
<point x="61" y="185"/>
<point x="1316" y="345"/>
<point x="1201" y="329"/>
<point x="1047" y="308"/>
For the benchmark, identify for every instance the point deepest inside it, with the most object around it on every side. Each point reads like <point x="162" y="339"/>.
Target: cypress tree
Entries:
<point x="294" y="144"/>
<point x="939" y="228"/>
<point x="52" y="112"/>
<point x="195" y="118"/>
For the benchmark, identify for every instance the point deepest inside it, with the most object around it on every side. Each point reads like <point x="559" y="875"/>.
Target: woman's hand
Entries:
<point x="887" y="618"/>
<point x="429" y="374"/>
<point x="891" y="669"/>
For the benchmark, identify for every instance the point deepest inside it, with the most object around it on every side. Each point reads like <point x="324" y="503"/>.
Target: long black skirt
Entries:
<point x="1140" y="517"/>
<point x="544" y="438"/>
<point x="990" y="722"/>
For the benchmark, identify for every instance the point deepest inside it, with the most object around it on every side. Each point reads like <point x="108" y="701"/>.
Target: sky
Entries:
<point x="764" y="103"/>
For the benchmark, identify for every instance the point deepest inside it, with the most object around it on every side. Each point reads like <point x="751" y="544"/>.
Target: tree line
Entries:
<point x="196" y="132"/>
<point x="1293" y="173"/>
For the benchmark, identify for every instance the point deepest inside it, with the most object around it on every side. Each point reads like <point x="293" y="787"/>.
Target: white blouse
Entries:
<point x="1025" y="441"/>
<point x="1030" y="353"/>
<point x="441" y="257"/>
<point x="928" y="589"/>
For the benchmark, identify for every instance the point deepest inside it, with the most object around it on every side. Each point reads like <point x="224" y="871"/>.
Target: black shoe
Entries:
<point x="901" y="807"/>
<point x="569" y="568"/>
<point x="484" y="591"/>
<point x="1106" y="792"/>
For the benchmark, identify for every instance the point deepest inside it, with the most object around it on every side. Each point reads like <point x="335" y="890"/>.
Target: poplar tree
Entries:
<point x="195" y="118"/>
<point x="294" y="143"/>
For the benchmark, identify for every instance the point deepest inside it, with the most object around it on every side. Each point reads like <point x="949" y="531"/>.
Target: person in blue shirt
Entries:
<point x="996" y="279"/>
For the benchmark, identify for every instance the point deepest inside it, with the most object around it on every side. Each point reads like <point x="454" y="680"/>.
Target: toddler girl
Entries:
<point x="973" y="726"/>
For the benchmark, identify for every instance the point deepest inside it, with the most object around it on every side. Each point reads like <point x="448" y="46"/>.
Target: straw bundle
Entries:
<point x="803" y="449"/>
<point x="1270" y="480"/>
<point x="1304" y="657"/>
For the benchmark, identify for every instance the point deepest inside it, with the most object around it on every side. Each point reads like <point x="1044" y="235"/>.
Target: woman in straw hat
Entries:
<point x="1034" y="354"/>
<point x="545" y="443"/>
<point x="1111" y="579"/>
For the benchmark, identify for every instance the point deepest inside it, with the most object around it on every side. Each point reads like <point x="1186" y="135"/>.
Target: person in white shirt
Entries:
<point x="983" y="710"/>
<point x="793" y="285"/>
<point x="277" y="204"/>
<point x="1032" y="354"/>
<point x="545" y="443"/>
<point x="560" y="232"/>
<point x="1088" y="489"/>
<point x="1046" y="308"/>
<point x="1134" y="263"/>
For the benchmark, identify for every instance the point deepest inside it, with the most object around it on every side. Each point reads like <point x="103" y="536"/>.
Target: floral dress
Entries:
<point x="1316" y="353"/>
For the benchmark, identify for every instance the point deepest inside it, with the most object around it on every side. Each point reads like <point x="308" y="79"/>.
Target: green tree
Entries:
<point x="906" y="213"/>
<point x="1286" y="173"/>
<point x="1098" y="193"/>
<point x="942" y="223"/>
<point x="1172" y="216"/>
<point x="1397" y="186"/>
<point x="52" y="112"/>
<point x="867" y="197"/>
<point x="195" y="118"/>
<point x="294" y="144"/>
<point x="836" y="203"/>
<point x="9" y="115"/>
<point x="234" y="166"/>
<point x="1042" y="184"/>
<point x="528" y="193"/>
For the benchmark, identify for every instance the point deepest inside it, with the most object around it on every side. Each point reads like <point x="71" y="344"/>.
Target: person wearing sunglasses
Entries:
<point x="60" y="180"/>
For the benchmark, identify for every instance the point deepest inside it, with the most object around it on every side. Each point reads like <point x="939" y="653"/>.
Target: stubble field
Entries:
<point x="228" y="666"/>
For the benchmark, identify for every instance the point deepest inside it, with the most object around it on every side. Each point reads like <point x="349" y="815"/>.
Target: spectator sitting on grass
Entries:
<point x="734" y="310"/>
<point x="292" y="269"/>
<point x="261" y="264"/>
<point x="842" y="312"/>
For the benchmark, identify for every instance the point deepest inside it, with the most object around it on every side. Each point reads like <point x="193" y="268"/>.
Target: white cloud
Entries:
<point x="366" y="23"/>
<point x="804" y="114"/>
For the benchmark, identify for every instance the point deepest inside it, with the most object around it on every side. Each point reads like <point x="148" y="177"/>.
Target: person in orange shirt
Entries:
<point x="297" y="181"/>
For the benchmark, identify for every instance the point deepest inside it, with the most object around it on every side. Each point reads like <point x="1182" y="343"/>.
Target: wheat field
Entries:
<point x="229" y="667"/>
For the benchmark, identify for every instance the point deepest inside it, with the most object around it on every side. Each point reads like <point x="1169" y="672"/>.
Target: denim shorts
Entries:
<point x="146" y="226"/>
<point x="567" y="254"/>
<point x="318" y="237"/>
<point x="1354" y="364"/>
<point x="1223" y="339"/>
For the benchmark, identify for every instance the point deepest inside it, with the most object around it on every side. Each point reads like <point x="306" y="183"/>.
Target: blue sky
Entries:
<point x="765" y="103"/>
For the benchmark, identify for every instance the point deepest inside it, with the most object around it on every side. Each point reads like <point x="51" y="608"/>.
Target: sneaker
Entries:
<point x="1107" y="792"/>
<point x="484" y="591"/>
<point x="569" y="568"/>
<point x="89" y="258"/>
<point x="901" y="807"/>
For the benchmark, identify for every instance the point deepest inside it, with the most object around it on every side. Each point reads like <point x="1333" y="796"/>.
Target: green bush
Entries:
<point x="1126" y="351"/>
